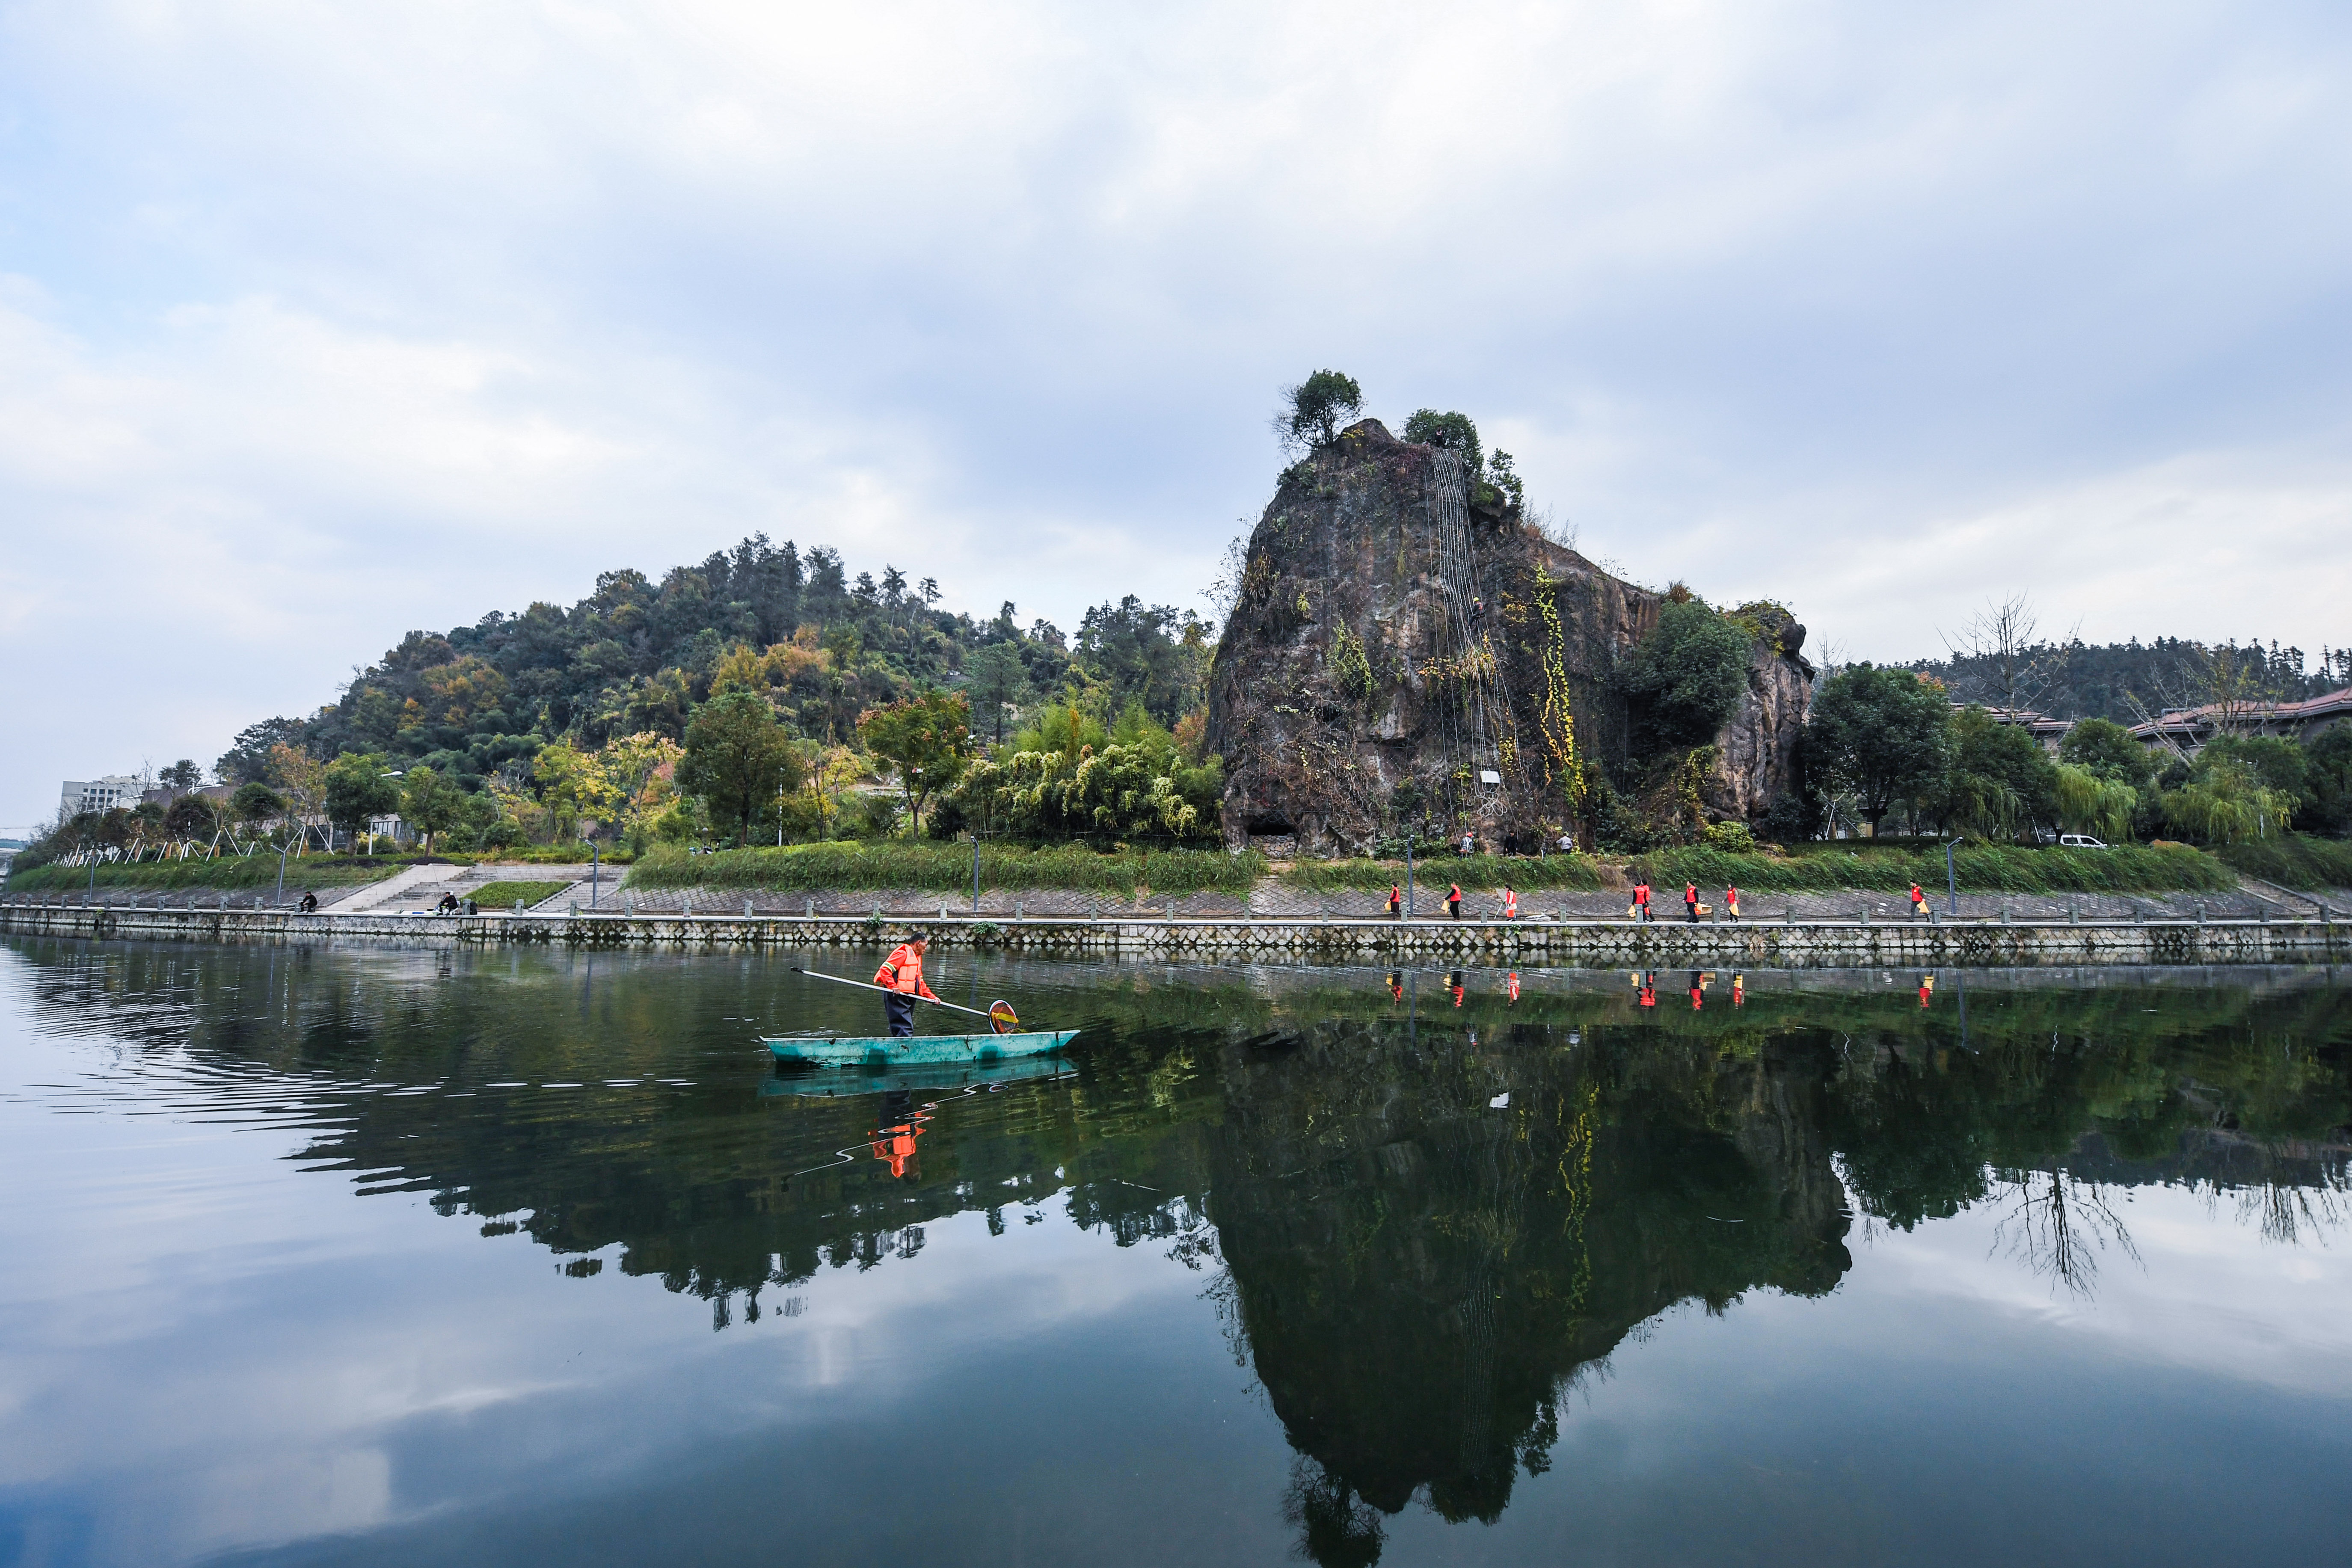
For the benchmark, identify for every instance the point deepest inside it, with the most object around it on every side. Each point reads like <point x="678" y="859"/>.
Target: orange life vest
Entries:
<point x="903" y="972"/>
<point x="1510" y="905"/>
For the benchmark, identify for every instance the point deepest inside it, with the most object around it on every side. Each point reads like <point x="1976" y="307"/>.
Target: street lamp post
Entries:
<point x="1951" y="881"/>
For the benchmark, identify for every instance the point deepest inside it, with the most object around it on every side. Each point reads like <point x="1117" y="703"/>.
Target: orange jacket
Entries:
<point x="903" y="972"/>
<point x="1510" y="905"/>
<point x="1642" y="892"/>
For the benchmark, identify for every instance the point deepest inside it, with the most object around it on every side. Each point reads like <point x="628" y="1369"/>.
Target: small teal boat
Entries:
<point x="919" y="1078"/>
<point x="883" y="1053"/>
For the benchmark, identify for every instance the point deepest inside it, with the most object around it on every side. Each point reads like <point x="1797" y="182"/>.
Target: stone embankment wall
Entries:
<point x="1610" y="940"/>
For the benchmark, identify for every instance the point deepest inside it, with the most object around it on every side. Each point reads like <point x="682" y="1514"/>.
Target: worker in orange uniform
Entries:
<point x="902" y="974"/>
<point x="1731" y="901"/>
<point x="1453" y="901"/>
<point x="1918" y="902"/>
<point x="1396" y="902"/>
<point x="1690" y="901"/>
<point x="1510" y="904"/>
<point x="1642" y="901"/>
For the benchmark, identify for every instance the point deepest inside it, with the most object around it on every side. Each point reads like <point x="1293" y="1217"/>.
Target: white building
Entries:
<point x="78" y="796"/>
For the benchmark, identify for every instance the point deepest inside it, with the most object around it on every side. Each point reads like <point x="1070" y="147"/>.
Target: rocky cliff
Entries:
<point x="1399" y="654"/>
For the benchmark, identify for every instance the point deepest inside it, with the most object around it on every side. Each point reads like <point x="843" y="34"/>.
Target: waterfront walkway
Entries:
<point x="1864" y="937"/>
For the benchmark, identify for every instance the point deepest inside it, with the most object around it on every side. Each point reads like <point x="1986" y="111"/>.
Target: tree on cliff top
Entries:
<point x="1447" y="433"/>
<point x="1313" y="412"/>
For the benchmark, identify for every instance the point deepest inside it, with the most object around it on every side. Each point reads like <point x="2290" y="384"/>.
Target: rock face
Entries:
<point x="1399" y="655"/>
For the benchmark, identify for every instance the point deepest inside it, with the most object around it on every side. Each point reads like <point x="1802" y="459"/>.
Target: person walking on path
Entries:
<point x="1918" y="902"/>
<point x="1731" y="901"/>
<point x="1642" y="901"/>
<point x="902" y="975"/>
<point x="1396" y="902"/>
<point x="1510" y="904"/>
<point x="1690" y="901"/>
<point x="1453" y="901"/>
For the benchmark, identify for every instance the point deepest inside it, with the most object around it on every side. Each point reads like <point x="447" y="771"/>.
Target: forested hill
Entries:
<point x="637" y="655"/>
<point x="2114" y="680"/>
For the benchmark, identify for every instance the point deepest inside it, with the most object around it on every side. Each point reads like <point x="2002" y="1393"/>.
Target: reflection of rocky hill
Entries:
<point x="1415" y="1271"/>
<point x="1420" y="1271"/>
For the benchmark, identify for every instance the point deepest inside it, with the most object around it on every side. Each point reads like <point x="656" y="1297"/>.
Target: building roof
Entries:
<point x="2247" y="715"/>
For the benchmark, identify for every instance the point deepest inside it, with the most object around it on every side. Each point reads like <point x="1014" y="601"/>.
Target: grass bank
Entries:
<point x="1481" y="873"/>
<point x="1823" y="868"/>
<point x="947" y="868"/>
<point x="503" y="895"/>
<point x="2297" y="860"/>
<point x="227" y="873"/>
<point x="1979" y="869"/>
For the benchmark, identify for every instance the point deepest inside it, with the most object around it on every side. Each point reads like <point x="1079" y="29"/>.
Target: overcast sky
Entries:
<point x="322" y="323"/>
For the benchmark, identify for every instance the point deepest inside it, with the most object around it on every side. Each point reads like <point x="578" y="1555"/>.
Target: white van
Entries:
<point x="2078" y="841"/>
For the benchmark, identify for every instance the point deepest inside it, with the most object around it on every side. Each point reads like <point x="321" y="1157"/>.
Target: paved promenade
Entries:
<point x="1790" y="938"/>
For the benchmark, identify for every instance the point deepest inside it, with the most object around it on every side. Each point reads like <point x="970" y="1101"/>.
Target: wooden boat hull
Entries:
<point x="879" y="1053"/>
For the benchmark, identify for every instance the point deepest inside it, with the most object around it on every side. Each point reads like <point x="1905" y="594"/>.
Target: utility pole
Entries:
<point x="1952" y="882"/>
<point x="1408" y="873"/>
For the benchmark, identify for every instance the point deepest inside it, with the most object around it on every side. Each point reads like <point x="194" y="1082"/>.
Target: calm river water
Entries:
<point x="404" y="1256"/>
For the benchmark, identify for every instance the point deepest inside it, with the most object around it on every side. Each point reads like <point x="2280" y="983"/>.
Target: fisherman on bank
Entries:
<point x="902" y="974"/>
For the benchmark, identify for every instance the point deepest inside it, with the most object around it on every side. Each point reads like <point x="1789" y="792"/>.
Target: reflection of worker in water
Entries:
<point x="1454" y="983"/>
<point x="1514" y="987"/>
<point x="1646" y="989"/>
<point x="1698" y="992"/>
<point x="894" y="1141"/>
<point x="1927" y="989"/>
<point x="1396" y="984"/>
<point x="1740" y="990"/>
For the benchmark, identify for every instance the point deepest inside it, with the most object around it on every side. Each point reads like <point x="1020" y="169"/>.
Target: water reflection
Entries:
<point x="1424" y="1226"/>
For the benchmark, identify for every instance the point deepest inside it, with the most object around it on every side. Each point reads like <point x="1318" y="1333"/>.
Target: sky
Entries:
<point x="319" y="323"/>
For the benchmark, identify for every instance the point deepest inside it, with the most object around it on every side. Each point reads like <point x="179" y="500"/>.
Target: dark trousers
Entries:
<point x="1454" y="907"/>
<point x="900" y="1010"/>
<point x="1693" y="912"/>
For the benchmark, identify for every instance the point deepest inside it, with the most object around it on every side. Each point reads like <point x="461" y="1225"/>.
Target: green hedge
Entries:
<point x="2297" y="860"/>
<point x="225" y="872"/>
<point x="947" y="868"/>
<point x="1979" y="869"/>
<point x="502" y="895"/>
<point x="1482" y="872"/>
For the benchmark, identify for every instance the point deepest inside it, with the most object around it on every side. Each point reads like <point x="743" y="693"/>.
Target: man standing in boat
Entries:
<point x="902" y="974"/>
